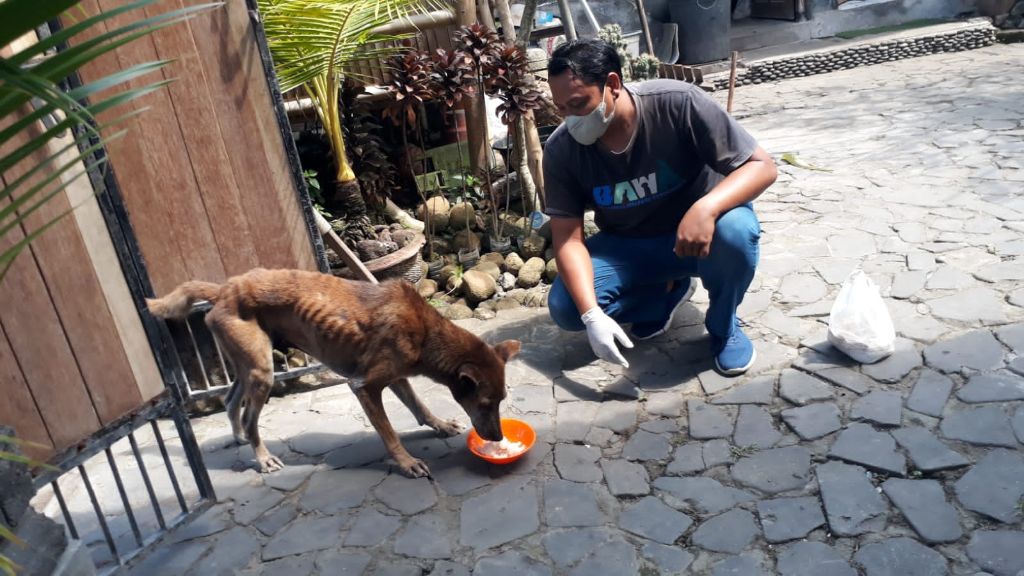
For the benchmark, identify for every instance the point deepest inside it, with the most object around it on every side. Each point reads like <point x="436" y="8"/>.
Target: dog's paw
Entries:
<point x="269" y="463"/>
<point x="413" y="468"/>
<point x="447" y="428"/>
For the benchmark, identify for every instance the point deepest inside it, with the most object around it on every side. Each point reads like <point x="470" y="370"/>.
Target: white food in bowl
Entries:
<point x="502" y="449"/>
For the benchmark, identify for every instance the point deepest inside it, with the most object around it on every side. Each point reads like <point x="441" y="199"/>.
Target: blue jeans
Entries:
<point x="631" y="274"/>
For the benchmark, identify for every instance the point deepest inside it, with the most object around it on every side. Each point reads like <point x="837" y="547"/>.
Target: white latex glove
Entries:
<point x="602" y="332"/>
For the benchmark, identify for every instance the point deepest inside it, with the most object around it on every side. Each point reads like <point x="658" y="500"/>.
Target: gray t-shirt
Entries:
<point x="684" y="144"/>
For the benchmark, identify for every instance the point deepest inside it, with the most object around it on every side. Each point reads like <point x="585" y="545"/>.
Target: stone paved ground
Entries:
<point x="810" y="465"/>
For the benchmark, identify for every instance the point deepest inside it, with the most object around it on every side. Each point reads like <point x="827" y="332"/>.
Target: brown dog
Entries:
<point x="376" y="335"/>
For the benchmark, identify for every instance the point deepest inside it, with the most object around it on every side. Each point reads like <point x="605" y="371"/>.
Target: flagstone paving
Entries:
<point x="811" y="464"/>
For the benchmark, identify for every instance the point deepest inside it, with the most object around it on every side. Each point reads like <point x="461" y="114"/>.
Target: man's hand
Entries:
<point x="695" y="231"/>
<point x="602" y="332"/>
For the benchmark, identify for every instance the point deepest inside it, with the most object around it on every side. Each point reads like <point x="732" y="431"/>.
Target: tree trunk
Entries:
<point x="357" y="225"/>
<point x="523" y="168"/>
<point x="526" y="185"/>
<point x="534" y="151"/>
<point x="476" y="113"/>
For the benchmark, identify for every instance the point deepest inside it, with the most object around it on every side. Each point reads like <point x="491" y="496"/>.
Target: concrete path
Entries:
<point x="810" y="465"/>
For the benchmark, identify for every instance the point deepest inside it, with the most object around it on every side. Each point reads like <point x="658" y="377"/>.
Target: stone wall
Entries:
<point x="1013" y="19"/>
<point x="771" y="70"/>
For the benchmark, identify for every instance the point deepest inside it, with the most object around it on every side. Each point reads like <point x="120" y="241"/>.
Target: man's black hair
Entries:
<point x="591" y="59"/>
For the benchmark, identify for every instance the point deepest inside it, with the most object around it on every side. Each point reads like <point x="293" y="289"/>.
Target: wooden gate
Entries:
<point x="202" y="187"/>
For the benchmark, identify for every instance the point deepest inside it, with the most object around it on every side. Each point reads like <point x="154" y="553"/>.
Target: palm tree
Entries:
<point x="314" y="44"/>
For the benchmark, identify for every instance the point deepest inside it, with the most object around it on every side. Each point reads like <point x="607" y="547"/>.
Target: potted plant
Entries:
<point x="409" y="88"/>
<point x="509" y="81"/>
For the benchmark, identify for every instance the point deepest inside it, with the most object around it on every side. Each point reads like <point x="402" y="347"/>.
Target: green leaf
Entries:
<point x="7" y="566"/>
<point x="7" y="534"/>
<point x="19" y="16"/>
<point x="792" y="159"/>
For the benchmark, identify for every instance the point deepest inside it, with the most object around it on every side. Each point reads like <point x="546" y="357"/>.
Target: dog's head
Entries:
<point x="480" y="387"/>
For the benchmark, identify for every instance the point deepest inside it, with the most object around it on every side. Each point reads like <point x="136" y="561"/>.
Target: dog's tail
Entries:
<point x="176" y="305"/>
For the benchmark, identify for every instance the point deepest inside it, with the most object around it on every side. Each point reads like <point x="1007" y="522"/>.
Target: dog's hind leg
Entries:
<point x="444" y="428"/>
<point x="249" y="348"/>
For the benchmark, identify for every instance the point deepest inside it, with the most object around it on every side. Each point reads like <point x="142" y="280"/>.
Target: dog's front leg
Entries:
<point x="373" y="405"/>
<point x="407" y="395"/>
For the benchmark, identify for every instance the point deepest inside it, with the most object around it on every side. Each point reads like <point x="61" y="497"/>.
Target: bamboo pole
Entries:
<point x="566" y="14"/>
<point x="644" y="27"/>
<point x="732" y="80"/>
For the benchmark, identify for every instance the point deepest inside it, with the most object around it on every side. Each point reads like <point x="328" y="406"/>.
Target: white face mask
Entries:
<point x="587" y="129"/>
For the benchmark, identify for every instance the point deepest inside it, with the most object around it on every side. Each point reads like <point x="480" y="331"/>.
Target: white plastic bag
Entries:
<point x="859" y="323"/>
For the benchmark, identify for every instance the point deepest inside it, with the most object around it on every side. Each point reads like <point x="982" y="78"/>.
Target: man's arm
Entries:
<point x="574" y="265"/>
<point x="577" y="273"/>
<point x="742" y="185"/>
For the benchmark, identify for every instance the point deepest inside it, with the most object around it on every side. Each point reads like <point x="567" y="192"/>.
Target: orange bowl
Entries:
<point x="514" y="430"/>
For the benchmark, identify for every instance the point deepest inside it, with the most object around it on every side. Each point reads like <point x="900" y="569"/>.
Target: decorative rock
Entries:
<point x="577" y="463"/>
<point x="530" y="273"/>
<point x="812" y="559"/>
<point x="703" y="495"/>
<point x="502" y="514"/>
<point x="754" y="427"/>
<point x="652" y="519"/>
<point x="507" y="281"/>
<point x="994" y="486"/>
<point x="625" y="478"/>
<point x="465" y="240"/>
<point x="927" y="453"/>
<point x="930" y="393"/>
<point x="984" y="426"/>
<point x="488" y="267"/>
<point x="426" y="287"/>
<point x="814" y="421"/>
<point x="730" y="532"/>
<point x="436" y="210"/>
<point x="478" y="286"/>
<point x="896" y="366"/>
<point x="998" y="551"/>
<point x="800" y="388"/>
<point x="707" y="421"/>
<point x="862" y="444"/>
<point x="757" y="391"/>
<point x="924" y="505"/>
<point x="988" y="387"/>
<point x="533" y="246"/>
<point x="852" y="505"/>
<point x="774" y="471"/>
<point x="884" y="408"/>
<point x="900" y="557"/>
<point x="457" y="312"/>
<point x="789" y="518"/>
<point x="513" y="263"/>
<point x="646" y="446"/>
<point x="551" y="271"/>
<point x="461" y="216"/>
<point x="426" y="536"/>
<point x="977" y="350"/>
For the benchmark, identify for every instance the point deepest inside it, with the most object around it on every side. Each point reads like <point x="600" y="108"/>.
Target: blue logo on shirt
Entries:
<point x="636" y="191"/>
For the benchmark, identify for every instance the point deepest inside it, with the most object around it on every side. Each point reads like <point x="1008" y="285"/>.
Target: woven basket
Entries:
<point x="405" y="263"/>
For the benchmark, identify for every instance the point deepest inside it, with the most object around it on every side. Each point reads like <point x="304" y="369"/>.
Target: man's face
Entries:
<point x="575" y="98"/>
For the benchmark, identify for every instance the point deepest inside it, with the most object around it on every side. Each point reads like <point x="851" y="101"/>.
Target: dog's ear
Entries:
<point x="507" y="350"/>
<point x="469" y="379"/>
